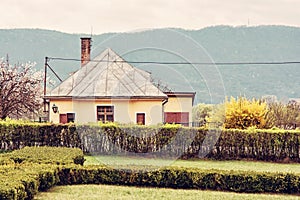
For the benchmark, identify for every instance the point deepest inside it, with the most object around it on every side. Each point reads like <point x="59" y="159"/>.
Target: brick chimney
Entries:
<point x="85" y="50"/>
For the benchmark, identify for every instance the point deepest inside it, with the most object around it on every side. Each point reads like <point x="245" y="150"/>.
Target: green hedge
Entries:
<point x="23" y="180"/>
<point x="26" y="180"/>
<point x="26" y="171"/>
<point x="16" y="135"/>
<point x="186" y="178"/>
<point x="266" y="145"/>
<point x="170" y="140"/>
<point x="47" y="155"/>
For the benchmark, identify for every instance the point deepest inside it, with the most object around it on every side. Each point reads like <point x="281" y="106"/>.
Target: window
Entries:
<point x="140" y="118"/>
<point x="70" y="117"/>
<point x="177" y="118"/>
<point x="105" y="113"/>
<point x="66" y="118"/>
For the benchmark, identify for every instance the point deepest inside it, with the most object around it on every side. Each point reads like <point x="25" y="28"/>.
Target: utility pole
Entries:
<point x="46" y="106"/>
<point x="7" y="60"/>
<point x="46" y="103"/>
<point x="45" y="76"/>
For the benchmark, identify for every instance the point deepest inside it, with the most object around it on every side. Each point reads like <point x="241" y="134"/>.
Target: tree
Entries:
<point x="243" y="113"/>
<point x="20" y="90"/>
<point x="286" y="116"/>
<point x="217" y="116"/>
<point x="201" y="113"/>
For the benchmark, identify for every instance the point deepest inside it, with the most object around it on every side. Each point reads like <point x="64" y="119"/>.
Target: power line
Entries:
<point x="183" y="63"/>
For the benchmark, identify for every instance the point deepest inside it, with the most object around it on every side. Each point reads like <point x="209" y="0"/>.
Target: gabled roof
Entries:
<point x="107" y="76"/>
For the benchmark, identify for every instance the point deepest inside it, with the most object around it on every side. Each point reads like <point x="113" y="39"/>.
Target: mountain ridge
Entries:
<point x="221" y="43"/>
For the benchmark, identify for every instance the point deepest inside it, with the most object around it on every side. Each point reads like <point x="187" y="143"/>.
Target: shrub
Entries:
<point x="186" y="178"/>
<point x="163" y="141"/>
<point x="25" y="172"/>
<point x="17" y="134"/>
<point x="243" y="113"/>
<point x="286" y="116"/>
<point x="47" y="155"/>
<point x="24" y="180"/>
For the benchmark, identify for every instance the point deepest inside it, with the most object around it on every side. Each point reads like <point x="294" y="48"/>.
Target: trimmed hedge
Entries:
<point x="16" y="135"/>
<point x="168" y="140"/>
<point x="266" y="145"/>
<point x="47" y="155"/>
<point x="26" y="171"/>
<point x="23" y="180"/>
<point x="185" y="178"/>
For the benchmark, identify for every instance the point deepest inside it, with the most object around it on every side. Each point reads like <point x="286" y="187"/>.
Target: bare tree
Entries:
<point x="20" y="90"/>
<point x="286" y="116"/>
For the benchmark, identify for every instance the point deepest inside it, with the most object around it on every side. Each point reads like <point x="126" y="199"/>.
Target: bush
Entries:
<point x="233" y="144"/>
<point x="25" y="172"/>
<point x="17" y="134"/>
<point x="23" y="180"/>
<point x="243" y="113"/>
<point x="47" y="155"/>
<point x="168" y="140"/>
<point x="185" y="178"/>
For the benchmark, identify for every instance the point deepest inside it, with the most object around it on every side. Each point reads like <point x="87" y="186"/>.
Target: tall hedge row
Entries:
<point x="14" y="135"/>
<point x="171" y="141"/>
<point x="266" y="145"/>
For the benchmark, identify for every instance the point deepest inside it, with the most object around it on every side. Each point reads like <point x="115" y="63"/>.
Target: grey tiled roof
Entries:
<point x="108" y="76"/>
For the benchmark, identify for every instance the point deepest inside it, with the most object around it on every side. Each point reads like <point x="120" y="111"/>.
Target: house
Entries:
<point x="108" y="88"/>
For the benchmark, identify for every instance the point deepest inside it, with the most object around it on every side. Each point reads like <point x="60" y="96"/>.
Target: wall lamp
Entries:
<point x="55" y="108"/>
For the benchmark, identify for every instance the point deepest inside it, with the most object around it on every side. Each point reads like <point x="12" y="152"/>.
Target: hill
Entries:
<point x="209" y="45"/>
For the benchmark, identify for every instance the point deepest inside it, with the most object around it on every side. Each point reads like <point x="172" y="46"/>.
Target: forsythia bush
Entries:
<point x="242" y="113"/>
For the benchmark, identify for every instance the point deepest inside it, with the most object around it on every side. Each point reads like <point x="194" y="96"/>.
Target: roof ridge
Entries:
<point x="103" y="78"/>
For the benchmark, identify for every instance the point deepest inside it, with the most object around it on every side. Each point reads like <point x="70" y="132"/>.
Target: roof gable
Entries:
<point x="108" y="75"/>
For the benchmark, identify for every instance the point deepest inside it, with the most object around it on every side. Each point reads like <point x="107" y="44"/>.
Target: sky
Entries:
<point x="101" y="16"/>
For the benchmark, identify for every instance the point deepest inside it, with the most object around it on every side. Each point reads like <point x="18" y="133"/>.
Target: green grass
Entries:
<point x="83" y="192"/>
<point x="117" y="161"/>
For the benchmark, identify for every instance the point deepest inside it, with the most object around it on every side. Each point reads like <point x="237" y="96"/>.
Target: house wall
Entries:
<point x="152" y="109"/>
<point x="64" y="106"/>
<point x="180" y="104"/>
<point x="124" y="110"/>
<point x="85" y="111"/>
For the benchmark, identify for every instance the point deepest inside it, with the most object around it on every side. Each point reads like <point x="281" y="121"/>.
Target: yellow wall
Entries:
<point x="124" y="110"/>
<point x="64" y="106"/>
<point x="151" y="108"/>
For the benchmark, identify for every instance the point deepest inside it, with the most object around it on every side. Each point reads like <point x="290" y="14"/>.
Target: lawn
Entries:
<point x="117" y="161"/>
<point x="83" y="192"/>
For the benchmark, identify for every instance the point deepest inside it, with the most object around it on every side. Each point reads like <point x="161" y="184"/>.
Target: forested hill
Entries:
<point x="218" y="44"/>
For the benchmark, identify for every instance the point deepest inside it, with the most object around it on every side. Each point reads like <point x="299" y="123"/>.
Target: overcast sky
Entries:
<point x="78" y="16"/>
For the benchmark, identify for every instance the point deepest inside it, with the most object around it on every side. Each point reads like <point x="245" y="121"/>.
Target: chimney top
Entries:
<point x="85" y="50"/>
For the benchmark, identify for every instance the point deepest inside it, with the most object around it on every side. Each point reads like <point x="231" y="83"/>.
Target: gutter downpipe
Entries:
<point x="163" y="109"/>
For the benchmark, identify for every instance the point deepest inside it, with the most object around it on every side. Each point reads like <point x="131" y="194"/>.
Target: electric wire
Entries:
<point x="182" y="63"/>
